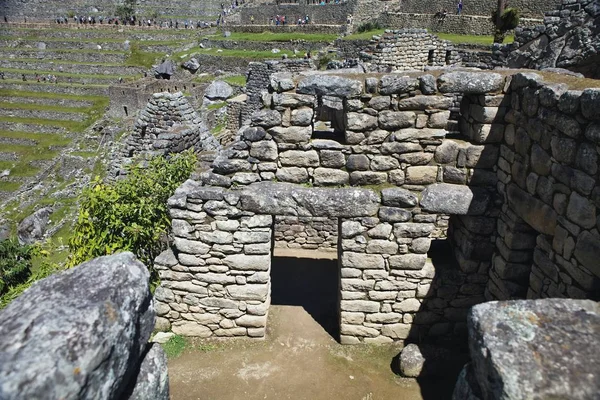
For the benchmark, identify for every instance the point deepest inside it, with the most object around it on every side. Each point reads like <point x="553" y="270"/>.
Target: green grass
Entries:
<point x="43" y="107"/>
<point x="66" y="62"/>
<point x="139" y="58"/>
<point x="13" y="49"/>
<point x="217" y="106"/>
<point x="70" y="74"/>
<point x="9" y="186"/>
<point x="471" y="39"/>
<point x="237" y="80"/>
<point x="247" y="54"/>
<point x="84" y="154"/>
<point x="175" y="346"/>
<point x="275" y="37"/>
<point x="364" y="35"/>
<point x="44" y="95"/>
<point x="59" y="84"/>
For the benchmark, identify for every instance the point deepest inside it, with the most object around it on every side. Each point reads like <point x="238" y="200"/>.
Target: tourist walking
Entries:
<point x="459" y="7"/>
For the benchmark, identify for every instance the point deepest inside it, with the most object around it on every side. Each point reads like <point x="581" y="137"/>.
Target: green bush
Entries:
<point x="508" y="20"/>
<point x="44" y="271"/>
<point x="129" y="214"/>
<point x="369" y="26"/>
<point x="15" y="264"/>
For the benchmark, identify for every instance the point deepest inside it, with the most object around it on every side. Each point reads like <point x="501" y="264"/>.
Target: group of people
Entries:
<point x="134" y="21"/>
<point x="280" y="20"/>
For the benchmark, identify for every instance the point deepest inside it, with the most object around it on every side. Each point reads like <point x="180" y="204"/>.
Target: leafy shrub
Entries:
<point x="369" y="26"/>
<point x="325" y="59"/>
<point x="44" y="271"/>
<point x="15" y="264"/>
<point x="509" y="19"/>
<point x="129" y="214"/>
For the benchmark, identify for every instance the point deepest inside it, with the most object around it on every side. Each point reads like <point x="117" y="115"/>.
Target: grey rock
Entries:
<point x="266" y="118"/>
<point x="254" y="133"/>
<point x="470" y="82"/>
<point x="264" y="150"/>
<point x="33" y="227"/>
<point x="192" y="65"/>
<point x="218" y="90"/>
<point x="424" y="360"/>
<point x="590" y="103"/>
<point x="358" y="162"/>
<point x="392" y="120"/>
<point x="454" y="199"/>
<point x="427" y="84"/>
<point x="425" y="103"/>
<point x="152" y="381"/>
<point x="398" y="197"/>
<point x="285" y="199"/>
<point x="330" y="85"/>
<point x="528" y="339"/>
<point x="395" y="84"/>
<point x="330" y="177"/>
<point x="393" y="214"/>
<point x="95" y="319"/>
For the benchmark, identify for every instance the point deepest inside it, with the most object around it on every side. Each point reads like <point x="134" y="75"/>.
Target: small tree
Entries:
<point x="504" y="19"/>
<point x="15" y="263"/>
<point x="129" y="214"/>
<point x="126" y="10"/>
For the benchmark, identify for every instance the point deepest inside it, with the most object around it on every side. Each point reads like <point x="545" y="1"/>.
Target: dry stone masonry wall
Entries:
<point x="510" y="187"/>
<point x="168" y="124"/>
<point x="407" y="49"/>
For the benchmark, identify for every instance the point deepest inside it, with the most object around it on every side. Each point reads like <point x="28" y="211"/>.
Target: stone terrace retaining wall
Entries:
<point x="265" y="27"/>
<point x="334" y="14"/>
<point x="464" y="24"/>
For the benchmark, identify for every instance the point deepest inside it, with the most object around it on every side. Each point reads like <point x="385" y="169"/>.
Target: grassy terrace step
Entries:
<point x="8" y="111"/>
<point x="91" y="44"/>
<point x="59" y="88"/>
<point x="36" y="65"/>
<point x="241" y="53"/>
<point x="12" y="74"/>
<point x="89" y="56"/>
<point x="48" y="101"/>
<point x="274" y="37"/>
<point x="109" y="33"/>
<point x="13" y="124"/>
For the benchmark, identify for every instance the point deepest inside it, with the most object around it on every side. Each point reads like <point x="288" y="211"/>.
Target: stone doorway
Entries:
<point x="310" y="284"/>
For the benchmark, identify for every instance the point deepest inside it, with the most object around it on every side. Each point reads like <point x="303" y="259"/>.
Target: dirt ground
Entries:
<point x="299" y="359"/>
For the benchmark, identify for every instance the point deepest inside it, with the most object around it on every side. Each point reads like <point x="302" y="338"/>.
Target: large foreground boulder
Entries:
<point x="532" y="349"/>
<point x="83" y="334"/>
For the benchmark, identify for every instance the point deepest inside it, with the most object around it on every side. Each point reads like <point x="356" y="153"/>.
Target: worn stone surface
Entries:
<point x="454" y="199"/>
<point x="94" y="319"/>
<point x="536" y="348"/>
<point x="33" y="227"/>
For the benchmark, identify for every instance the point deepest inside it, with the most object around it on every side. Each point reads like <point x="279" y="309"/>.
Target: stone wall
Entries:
<point x="407" y="50"/>
<point x="395" y="130"/>
<point x="569" y="38"/>
<point x="510" y="184"/>
<point x="548" y="176"/>
<point x="83" y="333"/>
<point x="168" y="124"/>
<point x="308" y="233"/>
<point x="330" y="14"/>
<point x="528" y="8"/>
<point x="460" y="24"/>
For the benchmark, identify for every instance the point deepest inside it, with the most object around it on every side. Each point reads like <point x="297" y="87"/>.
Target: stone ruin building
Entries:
<point x="501" y="168"/>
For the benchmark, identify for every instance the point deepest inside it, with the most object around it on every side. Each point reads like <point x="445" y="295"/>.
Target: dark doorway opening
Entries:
<point x="311" y="284"/>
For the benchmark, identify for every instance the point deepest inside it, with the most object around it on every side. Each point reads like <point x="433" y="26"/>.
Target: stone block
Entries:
<point x="421" y="175"/>
<point x="297" y="158"/>
<point x="362" y="261"/>
<point x="392" y="120"/>
<point x="452" y="199"/>
<point x="292" y="134"/>
<point x="396" y="84"/>
<point x="408" y="261"/>
<point x="396" y="331"/>
<point x="365" y="306"/>
<point x="536" y="213"/>
<point x="248" y="292"/>
<point x="243" y="262"/>
<point x="187" y="328"/>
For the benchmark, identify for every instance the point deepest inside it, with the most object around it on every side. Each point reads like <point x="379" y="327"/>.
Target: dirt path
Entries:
<point x="298" y="360"/>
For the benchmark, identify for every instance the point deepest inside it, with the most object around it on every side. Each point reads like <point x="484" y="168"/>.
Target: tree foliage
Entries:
<point x="15" y="263"/>
<point x="126" y="10"/>
<point x="509" y="19"/>
<point x="129" y="214"/>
